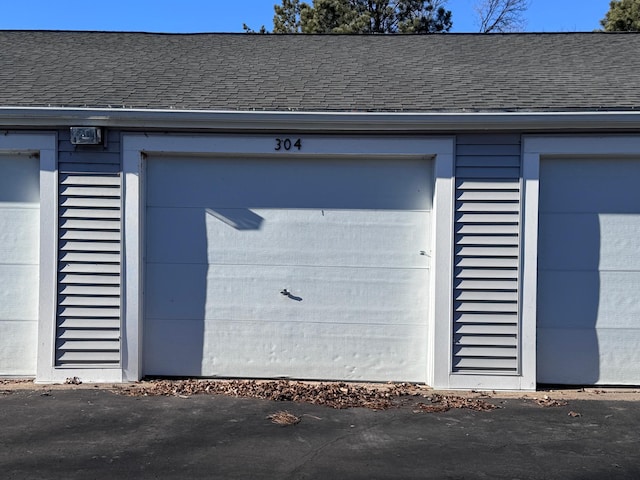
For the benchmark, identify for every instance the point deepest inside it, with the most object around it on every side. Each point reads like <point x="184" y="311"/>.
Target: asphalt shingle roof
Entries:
<point x="393" y="73"/>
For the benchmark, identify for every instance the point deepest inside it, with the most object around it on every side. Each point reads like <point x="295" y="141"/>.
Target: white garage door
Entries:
<point x="19" y="253"/>
<point x="589" y="272"/>
<point x="298" y="268"/>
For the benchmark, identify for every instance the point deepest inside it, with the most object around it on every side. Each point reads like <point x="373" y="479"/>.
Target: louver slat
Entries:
<point x="486" y="295"/>
<point x="88" y="320"/>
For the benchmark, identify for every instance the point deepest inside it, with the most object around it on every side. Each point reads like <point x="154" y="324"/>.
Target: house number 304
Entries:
<point x="287" y="144"/>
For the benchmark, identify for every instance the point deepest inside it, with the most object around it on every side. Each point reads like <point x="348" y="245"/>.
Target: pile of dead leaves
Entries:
<point x="335" y="395"/>
<point x="444" y="403"/>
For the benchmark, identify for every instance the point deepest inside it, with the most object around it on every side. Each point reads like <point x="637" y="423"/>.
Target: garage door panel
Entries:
<point x="319" y="295"/>
<point x="567" y="356"/>
<point x="19" y="181"/>
<point x="19" y="235"/>
<point x="290" y="183"/>
<point x="586" y="357"/>
<point x="589" y="299"/>
<point x="266" y="349"/>
<point x="590" y="185"/>
<point x="290" y="237"/>
<point x="18" y="292"/>
<point x="589" y="241"/>
<point x="19" y="257"/>
<point x="589" y="271"/>
<point x="18" y="352"/>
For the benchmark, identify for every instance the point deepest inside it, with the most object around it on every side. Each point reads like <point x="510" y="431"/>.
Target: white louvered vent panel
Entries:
<point x="487" y="245"/>
<point x="88" y="315"/>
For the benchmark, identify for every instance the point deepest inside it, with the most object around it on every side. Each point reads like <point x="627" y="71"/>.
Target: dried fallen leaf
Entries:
<point x="284" y="418"/>
<point x="574" y="414"/>
<point x="73" y="381"/>
<point x="546" y="401"/>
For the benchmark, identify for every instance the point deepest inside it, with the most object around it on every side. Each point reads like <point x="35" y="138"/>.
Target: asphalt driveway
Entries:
<point x="96" y="434"/>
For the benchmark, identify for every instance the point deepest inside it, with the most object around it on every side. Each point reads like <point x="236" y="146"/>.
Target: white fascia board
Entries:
<point x="12" y="117"/>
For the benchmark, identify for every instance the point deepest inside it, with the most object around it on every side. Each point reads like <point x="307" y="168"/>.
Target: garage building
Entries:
<point x="458" y="210"/>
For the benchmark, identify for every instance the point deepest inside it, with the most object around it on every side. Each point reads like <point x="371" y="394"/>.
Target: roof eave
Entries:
<point x="21" y="117"/>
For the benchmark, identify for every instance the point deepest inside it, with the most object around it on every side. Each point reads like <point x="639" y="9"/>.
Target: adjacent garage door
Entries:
<point x="313" y="268"/>
<point x="19" y="253"/>
<point x="589" y="272"/>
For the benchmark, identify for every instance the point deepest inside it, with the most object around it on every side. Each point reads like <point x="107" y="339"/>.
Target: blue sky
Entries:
<point x="229" y="15"/>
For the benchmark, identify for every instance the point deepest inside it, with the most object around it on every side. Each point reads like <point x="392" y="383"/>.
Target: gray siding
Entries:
<point x="487" y="238"/>
<point x="89" y="245"/>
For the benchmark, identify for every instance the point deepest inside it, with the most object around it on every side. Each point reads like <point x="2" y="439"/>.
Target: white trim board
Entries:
<point x="135" y="146"/>
<point x="45" y="146"/>
<point x="536" y="148"/>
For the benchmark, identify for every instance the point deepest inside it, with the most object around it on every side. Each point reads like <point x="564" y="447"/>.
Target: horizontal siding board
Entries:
<point x="486" y="341"/>
<point x="488" y="150"/>
<point x="75" y="179"/>
<point x="88" y="167"/>
<point x="90" y="202"/>
<point x="93" y="345"/>
<point x="487" y="251"/>
<point x="93" y="290"/>
<point x="488" y="172"/>
<point x="105" y="312"/>
<point x="487" y="240"/>
<point x="90" y="257"/>
<point x="77" y="358"/>
<point x="90" y="279"/>
<point x="487" y="285"/>
<point x="483" y="307"/>
<point x="485" y="364"/>
<point x="502" y="262"/>
<point x="88" y="301"/>
<point x="484" y="229"/>
<point x="485" y="207"/>
<point x="90" y="268"/>
<point x="109" y="235"/>
<point x="90" y="246"/>
<point x="75" y="191"/>
<point x="487" y="273"/>
<point x="486" y="318"/>
<point x="485" y="296"/>
<point x="72" y="212"/>
<point x="496" y="184"/>
<point x="90" y="157"/>
<point x="91" y="334"/>
<point x="488" y="195"/>
<point x="485" y="142"/>
<point x="485" y="329"/>
<point x="89" y="323"/>
<point x="487" y="218"/>
<point x="512" y="161"/>
<point x="89" y="224"/>
<point x="491" y="352"/>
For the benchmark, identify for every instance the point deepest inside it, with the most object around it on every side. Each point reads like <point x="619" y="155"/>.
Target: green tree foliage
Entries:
<point x="623" y="16"/>
<point x="362" y="16"/>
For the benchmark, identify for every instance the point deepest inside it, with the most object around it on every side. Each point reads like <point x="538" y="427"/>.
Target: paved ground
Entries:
<point x="96" y="434"/>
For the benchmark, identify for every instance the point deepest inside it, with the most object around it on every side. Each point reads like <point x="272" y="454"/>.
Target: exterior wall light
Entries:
<point x="86" y="135"/>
